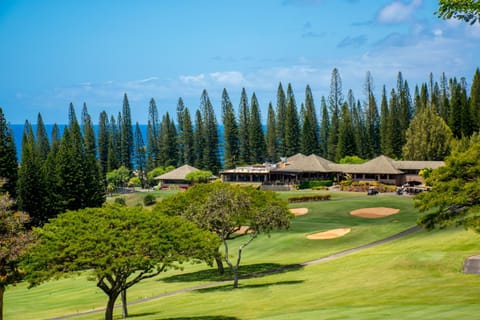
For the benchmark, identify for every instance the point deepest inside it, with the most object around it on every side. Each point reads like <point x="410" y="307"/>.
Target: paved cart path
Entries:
<point x="330" y="257"/>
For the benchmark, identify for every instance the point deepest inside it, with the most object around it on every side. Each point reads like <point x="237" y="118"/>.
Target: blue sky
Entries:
<point x="54" y="52"/>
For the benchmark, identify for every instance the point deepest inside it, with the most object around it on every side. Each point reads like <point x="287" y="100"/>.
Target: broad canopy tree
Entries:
<point x="118" y="178"/>
<point x="455" y="195"/>
<point x="13" y="240"/>
<point x="224" y="208"/>
<point x="119" y="245"/>
<point x="466" y="10"/>
<point x="199" y="176"/>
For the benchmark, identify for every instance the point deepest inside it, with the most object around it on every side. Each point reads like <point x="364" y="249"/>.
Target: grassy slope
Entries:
<point x="136" y="198"/>
<point x="417" y="277"/>
<point x="413" y="277"/>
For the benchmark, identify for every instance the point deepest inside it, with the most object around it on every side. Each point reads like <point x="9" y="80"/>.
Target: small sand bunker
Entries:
<point x="243" y="230"/>
<point x="299" y="211"/>
<point x="374" y="213"/>
<point x="330" y="234"/>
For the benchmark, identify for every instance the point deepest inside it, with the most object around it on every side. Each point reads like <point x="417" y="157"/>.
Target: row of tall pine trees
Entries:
<point x="61" y="172"/>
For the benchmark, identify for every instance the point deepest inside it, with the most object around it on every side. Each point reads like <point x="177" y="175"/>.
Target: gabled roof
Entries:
<point x="177" y="174"/>
<point x="311" y="163"/>
<point x="378" y="165"/>
<point x="417" y="165"/>
<point x="295" y="158"/>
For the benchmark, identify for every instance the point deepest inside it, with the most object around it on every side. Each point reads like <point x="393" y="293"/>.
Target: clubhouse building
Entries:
<point x="298" y="168"/>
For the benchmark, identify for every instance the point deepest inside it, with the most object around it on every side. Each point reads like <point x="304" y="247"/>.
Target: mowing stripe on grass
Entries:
<point x="362" y="247"/>
<point x="257" y="274"/>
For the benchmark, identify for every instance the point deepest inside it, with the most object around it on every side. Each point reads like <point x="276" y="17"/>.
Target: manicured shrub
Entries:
<point x="363" y="186"/>
<point x="120" y="200"/>
<point x="149" y="200"/>
<point x="315" y="183"/>
<point x="317" y="197"/>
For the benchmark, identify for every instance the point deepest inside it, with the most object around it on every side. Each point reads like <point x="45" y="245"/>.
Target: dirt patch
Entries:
<point x="299" y="211"/>
<point x="374" y="213"/>
<point x="329" y="234"/>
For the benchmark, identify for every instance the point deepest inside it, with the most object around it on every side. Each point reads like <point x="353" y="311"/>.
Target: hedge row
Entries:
<point x="315" y="184"/>
<point x="318" y="197"/>
<point x="363" y="186"/>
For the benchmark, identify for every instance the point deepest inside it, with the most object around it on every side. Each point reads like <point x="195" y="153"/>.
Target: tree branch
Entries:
<point x="254" y="235"/>
<point x="102" y="285"/>
<point x="144" y="275"/>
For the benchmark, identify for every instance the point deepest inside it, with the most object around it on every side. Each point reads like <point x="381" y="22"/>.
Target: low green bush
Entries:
<point x="315" y="184"/>
<point x="149" y="200"/>
<point x="320" y="188"/>
<point x="120" y="200"/>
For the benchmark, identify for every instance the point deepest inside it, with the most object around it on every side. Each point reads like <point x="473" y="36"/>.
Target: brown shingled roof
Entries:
<point x="378" y="165"/>
<point x="311" y="163"/>
<point x="177" y="174"/>
<point x="417" y="165"/>
<point x="295" y="158"/>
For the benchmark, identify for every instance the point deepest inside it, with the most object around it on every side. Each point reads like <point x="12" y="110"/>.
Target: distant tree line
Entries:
<point x="70" y="172"/>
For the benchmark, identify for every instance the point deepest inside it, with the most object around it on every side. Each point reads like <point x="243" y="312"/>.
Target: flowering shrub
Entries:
<point x="317" y="197"/>
<point x="363" y="186"/>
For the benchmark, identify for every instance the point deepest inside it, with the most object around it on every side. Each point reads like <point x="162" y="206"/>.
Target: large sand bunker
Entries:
<point x="330" y="234"/>
<point x="374" y="213"/>
<point x="299" y="211"/>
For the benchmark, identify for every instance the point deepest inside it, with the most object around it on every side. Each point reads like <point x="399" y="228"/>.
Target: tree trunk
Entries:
<point x="2" y="290"/>
<point x="219" y="261"/>
<point x="235" y="277"/>
<point x="110" y="305"/>
<point x="239" y="258"/>
<point x="124" y="304"/>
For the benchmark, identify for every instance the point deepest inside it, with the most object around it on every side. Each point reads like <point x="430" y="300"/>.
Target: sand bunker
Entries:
<point x="299" y="211"/>
<point x="374" y="213"/>
<point x="243" y="230"/>
<point x="330" y="234"/>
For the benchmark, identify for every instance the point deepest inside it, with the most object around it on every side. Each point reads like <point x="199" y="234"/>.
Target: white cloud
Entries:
<point x="287" y="74"/>
<point x="438" y="32"/>
<point x="193" y="79"/>
<point x="436" y="48"/>
<point x="473" y="30"/>
<point x="462" y="29"/>
<point x="414" y="59"/>
<point x="453" y="23"/>
<point x="150" y="79"/>
<point x="229" y="78"/>
<point x="398" y="11"/>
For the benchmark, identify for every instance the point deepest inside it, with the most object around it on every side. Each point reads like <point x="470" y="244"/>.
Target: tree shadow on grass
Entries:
<point x="246" y="272"/>
<point x="183" y="318"/>
<point x="202" y="318"/>
<point x="145" y="314"/>
<point x="229" y="287"/>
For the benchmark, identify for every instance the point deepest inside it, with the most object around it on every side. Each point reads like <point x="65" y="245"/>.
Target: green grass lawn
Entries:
<point x="415" y="277"/>
<point x="136" y="198"/>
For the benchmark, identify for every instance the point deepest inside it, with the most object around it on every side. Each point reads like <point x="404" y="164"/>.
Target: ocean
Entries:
<point x="18" y="133"/>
